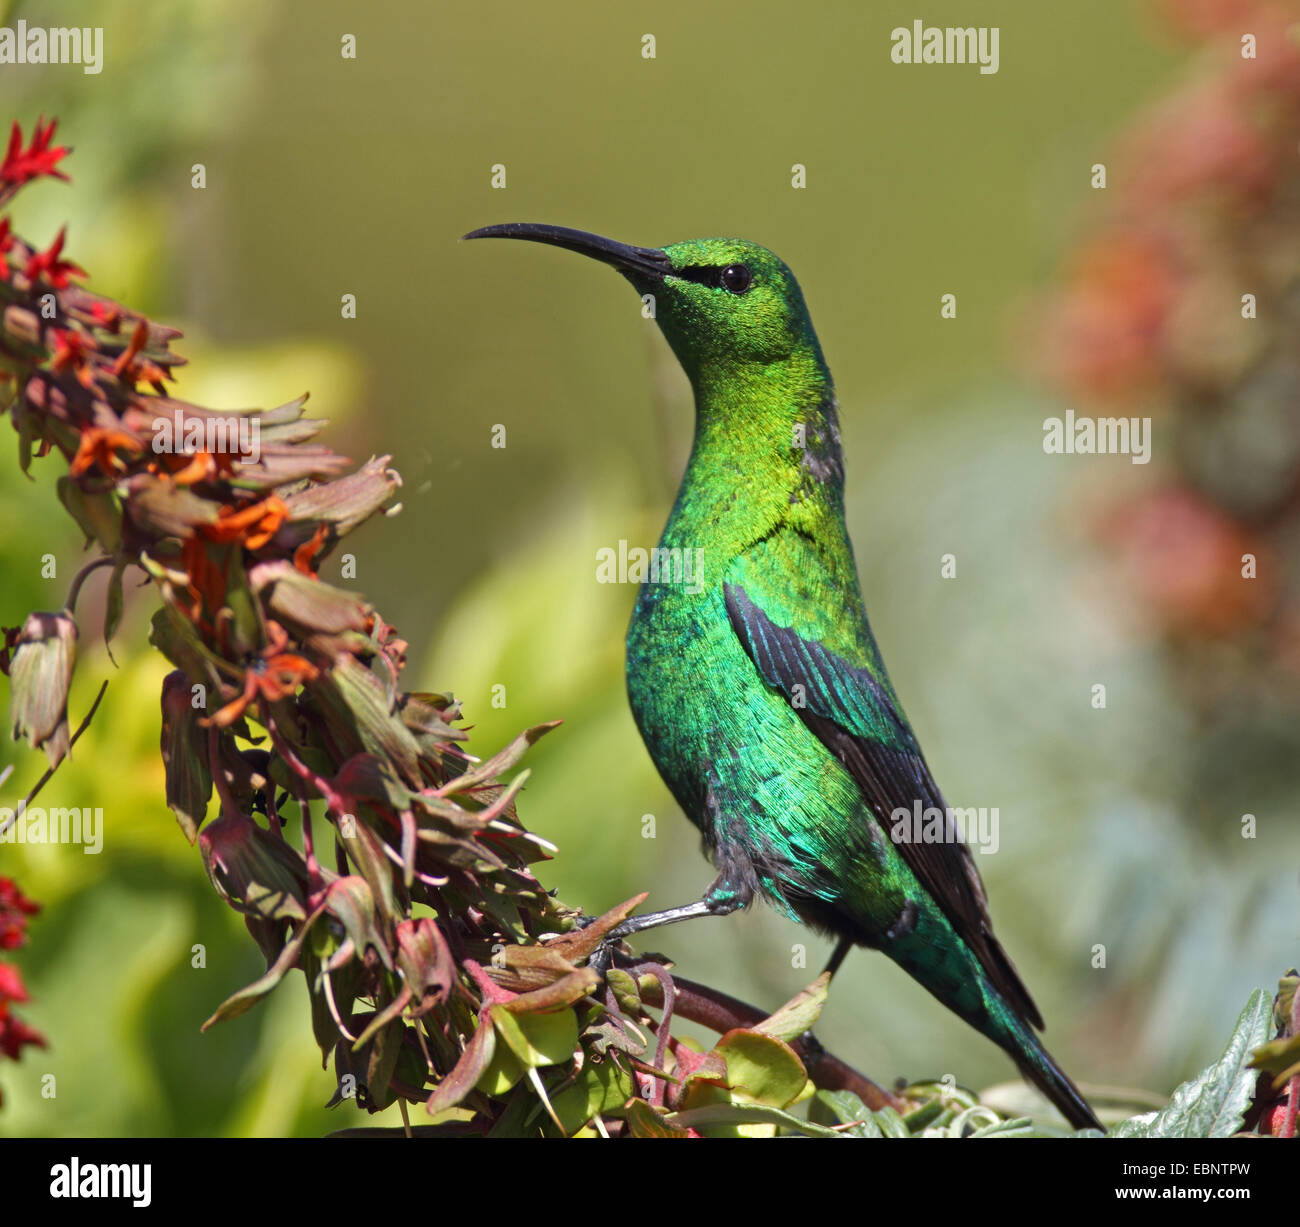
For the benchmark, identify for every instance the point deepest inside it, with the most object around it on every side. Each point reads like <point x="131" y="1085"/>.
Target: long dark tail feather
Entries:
<point x="1035" y="1062"/>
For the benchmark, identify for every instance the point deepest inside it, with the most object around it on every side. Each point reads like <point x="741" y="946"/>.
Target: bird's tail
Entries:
<point x="1007" y="1027"/>
<point x="944" y="964"/>
<point x="1037" y="1065"/>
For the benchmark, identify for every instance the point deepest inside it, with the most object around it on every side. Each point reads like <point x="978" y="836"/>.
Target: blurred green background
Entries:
<point x="328" y="176"/>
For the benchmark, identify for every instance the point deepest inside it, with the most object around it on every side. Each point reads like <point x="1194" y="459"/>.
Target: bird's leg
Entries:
<point x="841" y="950"/>
<point x="721" y="899"/>
<point x="808" y="1045"/>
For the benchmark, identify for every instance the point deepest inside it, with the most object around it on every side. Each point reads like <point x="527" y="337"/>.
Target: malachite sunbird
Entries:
<point x="758" y="687"/>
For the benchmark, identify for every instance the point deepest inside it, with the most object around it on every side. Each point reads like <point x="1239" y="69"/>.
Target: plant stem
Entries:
<point x="721" y="1013"/>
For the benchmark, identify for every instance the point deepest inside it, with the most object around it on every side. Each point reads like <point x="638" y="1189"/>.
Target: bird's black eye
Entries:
<point x="736" y="278"/>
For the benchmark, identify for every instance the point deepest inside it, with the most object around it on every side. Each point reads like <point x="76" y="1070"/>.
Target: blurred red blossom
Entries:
<point x="15" y="909"/>
<point x="38" y="159"/>
<point x="50" y="265"/>
<point x="1183" y="555"/>
<point x="1182" y="306"/>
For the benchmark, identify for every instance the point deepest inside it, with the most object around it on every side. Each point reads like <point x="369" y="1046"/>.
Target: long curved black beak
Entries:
<point x="639" y="263"/>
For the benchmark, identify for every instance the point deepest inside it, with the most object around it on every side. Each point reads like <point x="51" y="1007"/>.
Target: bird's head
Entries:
<point x="724" y="304"/>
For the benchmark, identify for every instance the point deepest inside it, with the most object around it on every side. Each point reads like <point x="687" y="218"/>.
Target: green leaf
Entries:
<point x="799" y="1014"/>
<point x="358" y="707"/>
<point x="891" y="1123"/>
<point x="175" y="637"/>
<point x="381" y="1060"/>
<point x="469" y="1071"/>
<point x="601" y="1087"/>
<point x="569" y="988"/>
<point x="113" y="603"/>
<point x="187" y="777"/>
<point x="98" y="515"/>
<point x="761" y="1069"/>
<point x="250" y="995"/>
<point x="645" y="1122"/>
<point x="503" y="1069"/>
<point x="933" y="1111"/>
<point x="1285" y="1001"/>
<point x="1279" y="1057"/>
<point x="627" y="995"/>
<point x="499" y="763"/>
<point x="742" y="1114"/>
<point x="844" y="1108"/>
<point x="351" y="902"/>
<point x="1024" y="1127"/>
<point x="1212" y="1104"/>
<point x="537" y="1039"/>
<point x="305" y="602"/>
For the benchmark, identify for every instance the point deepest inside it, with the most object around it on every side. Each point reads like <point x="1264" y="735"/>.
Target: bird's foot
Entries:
<point x="601" y="959"/>
<point x="810" y="1051"/>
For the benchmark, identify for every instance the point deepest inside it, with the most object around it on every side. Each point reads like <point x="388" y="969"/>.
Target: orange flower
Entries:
<point x="131" y="371"/>
<point x="271" y="679"/>
<point x="207" y="580"/>
<point x="304" y="557"/>
<point x="99" y="446"/>
<point x="187" y="470"/>
<point x="252" y="526"/>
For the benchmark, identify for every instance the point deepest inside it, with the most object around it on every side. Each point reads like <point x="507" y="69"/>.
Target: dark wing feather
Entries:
<point x="853" y="715"/>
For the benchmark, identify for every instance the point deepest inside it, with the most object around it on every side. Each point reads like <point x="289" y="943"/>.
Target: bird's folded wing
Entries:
<point x="855" y="717"/>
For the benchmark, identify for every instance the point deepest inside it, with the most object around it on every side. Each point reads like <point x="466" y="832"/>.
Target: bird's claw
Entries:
<point x="810" y="1050"/>
<point x="602" y="958"/>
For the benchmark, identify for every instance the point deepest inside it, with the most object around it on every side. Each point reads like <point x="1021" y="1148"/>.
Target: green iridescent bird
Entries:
<point x="759" y="689"/>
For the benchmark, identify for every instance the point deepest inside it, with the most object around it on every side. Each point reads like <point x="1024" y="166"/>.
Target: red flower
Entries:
<point x="11" y="984"/>
<point x="14" y="910"/>
<point x="14" y="1034"/>
<point x="21" y="165"/>
<point x="1184" y="557"/>
<point x="1108" y="326"/>
<point x="51" y="266"/>
<point x="71" y="349"/>
<point x="107" y="314"/>
<point x="12" y="899"/>
<point x="99" y="446"/>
